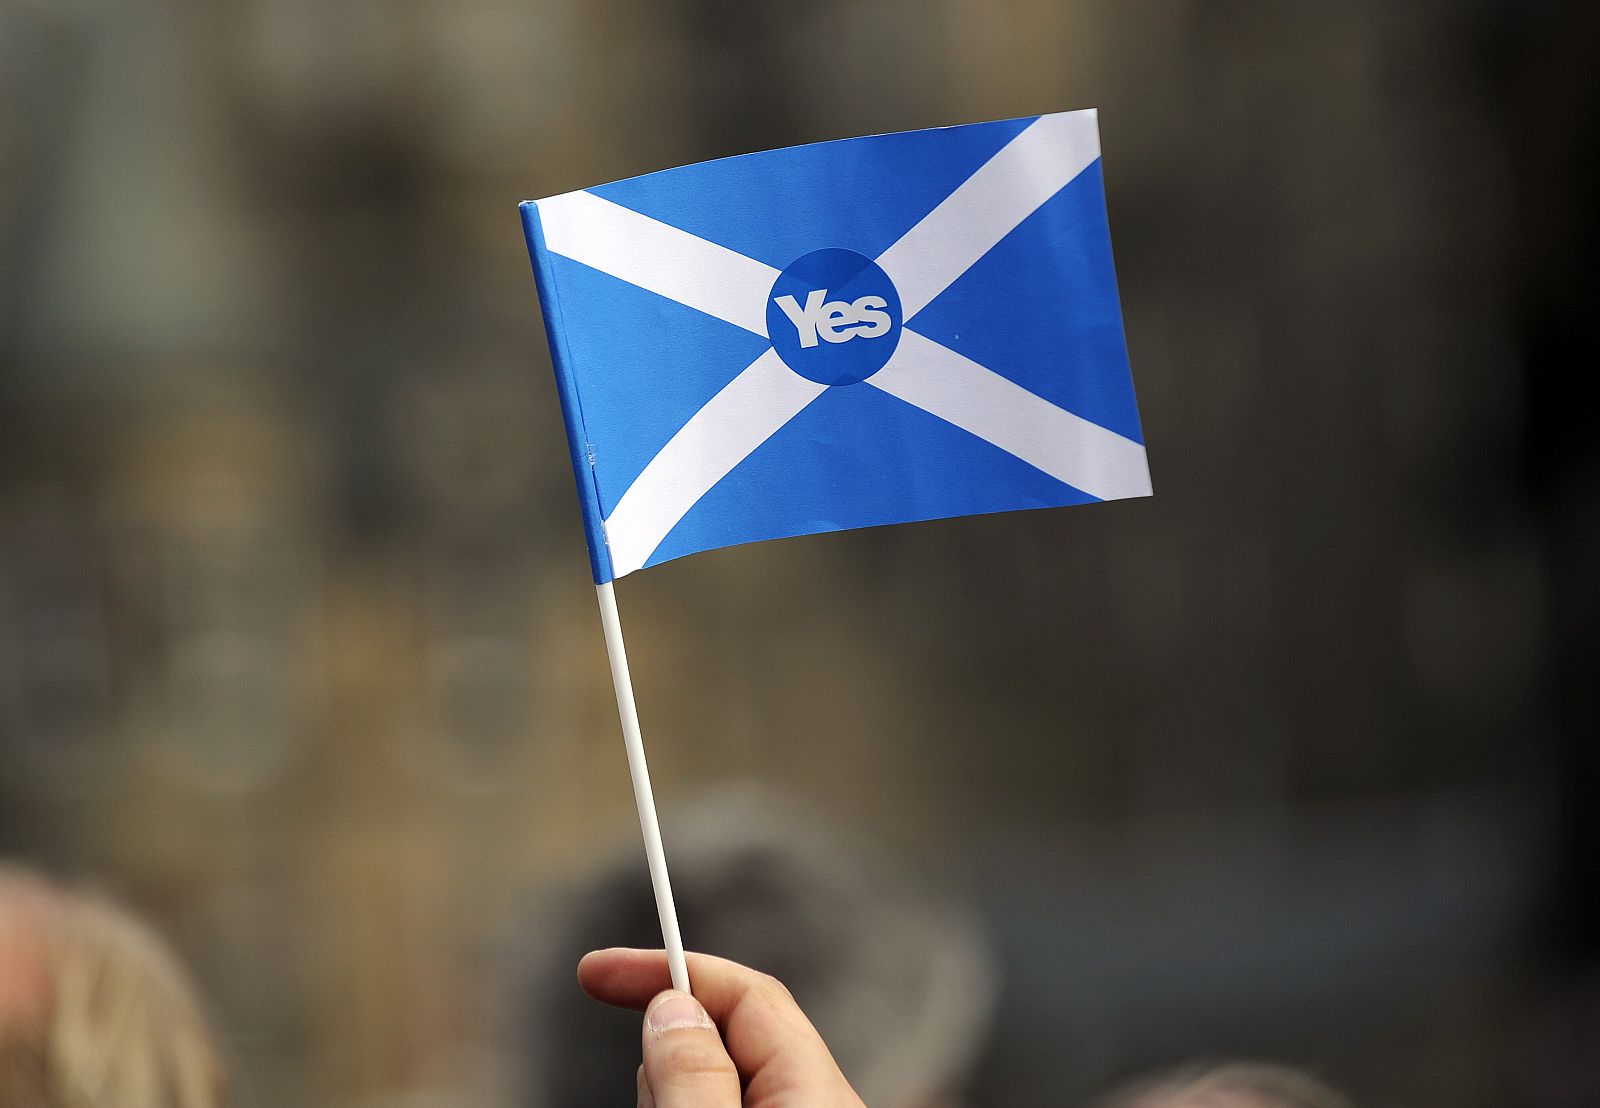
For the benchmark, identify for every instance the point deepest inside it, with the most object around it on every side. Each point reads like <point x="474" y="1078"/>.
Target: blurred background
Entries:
<point x="298" y="651"/>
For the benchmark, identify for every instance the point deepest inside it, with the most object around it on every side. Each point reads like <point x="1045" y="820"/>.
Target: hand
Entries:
<point x="766" y="1044"/>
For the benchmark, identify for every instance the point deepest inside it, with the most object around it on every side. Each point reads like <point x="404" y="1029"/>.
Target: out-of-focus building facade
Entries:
<point x="296" y="642"/>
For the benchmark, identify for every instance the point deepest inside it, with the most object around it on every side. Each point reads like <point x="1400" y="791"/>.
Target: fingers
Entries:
<point x="756" y="1013"/>
<point x="770" y="1040"/>
<point x="685" y="1065"/>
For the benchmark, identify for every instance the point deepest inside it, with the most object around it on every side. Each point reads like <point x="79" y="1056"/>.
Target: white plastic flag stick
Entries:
<point x="643" y="798"/>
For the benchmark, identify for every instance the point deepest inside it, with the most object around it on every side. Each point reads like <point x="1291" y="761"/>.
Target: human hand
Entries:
<point x="766" y="1046"/>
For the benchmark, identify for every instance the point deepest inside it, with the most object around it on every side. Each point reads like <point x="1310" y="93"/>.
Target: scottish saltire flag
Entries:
<point x="869" y="331"/>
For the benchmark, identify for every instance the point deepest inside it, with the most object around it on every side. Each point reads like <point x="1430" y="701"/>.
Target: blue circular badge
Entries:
<point x="834" y="317"/>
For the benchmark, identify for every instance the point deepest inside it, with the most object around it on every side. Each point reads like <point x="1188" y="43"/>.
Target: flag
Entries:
<point x="868" y="331"/>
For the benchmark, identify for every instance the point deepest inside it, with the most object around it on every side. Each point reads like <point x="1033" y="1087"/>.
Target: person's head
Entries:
<point x="1233" y="1085"/>
<point x="95" y="1011"/>
<point x="899" y="982"/>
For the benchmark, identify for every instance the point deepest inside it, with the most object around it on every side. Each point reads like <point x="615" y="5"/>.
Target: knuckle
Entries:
<point x="773" y="989"/>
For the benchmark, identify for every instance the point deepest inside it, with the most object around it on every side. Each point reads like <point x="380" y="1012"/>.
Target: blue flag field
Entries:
<point x="869" y="331"/>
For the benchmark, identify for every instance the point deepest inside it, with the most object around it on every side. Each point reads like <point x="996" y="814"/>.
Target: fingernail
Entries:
<point x="673" y="1010"/>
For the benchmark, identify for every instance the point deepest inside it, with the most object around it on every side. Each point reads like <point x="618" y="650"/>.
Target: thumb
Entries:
<point x="685" y="1063"/>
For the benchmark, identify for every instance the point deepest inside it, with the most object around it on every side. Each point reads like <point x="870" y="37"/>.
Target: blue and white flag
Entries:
<point x="869" y="331"/>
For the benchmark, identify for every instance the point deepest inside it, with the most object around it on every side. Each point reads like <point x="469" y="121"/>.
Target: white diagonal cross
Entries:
<point x="658" y="257"/>
<point x="989" y="205"/>
<point x="1035" y="165"/>
<point x="748" y="411"/>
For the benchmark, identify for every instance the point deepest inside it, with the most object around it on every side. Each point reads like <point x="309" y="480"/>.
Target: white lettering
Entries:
<point x="834" y="313"/>
<point x="804" y="320"/>
<point x="876" y="321"/>
<point x="835" y="320"/>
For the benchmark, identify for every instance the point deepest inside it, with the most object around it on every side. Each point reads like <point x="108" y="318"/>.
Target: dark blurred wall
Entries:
<point x="296" y="642"/>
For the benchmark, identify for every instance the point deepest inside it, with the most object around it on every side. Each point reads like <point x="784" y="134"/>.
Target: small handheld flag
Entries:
<point x="875" y="330"/>
<point x="868" y="331"/>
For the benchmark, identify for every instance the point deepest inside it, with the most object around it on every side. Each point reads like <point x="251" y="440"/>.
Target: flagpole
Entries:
<point x="643" y="797"/>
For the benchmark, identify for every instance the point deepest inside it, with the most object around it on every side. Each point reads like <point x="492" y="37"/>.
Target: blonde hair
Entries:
<point x="120" y="1025"/>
